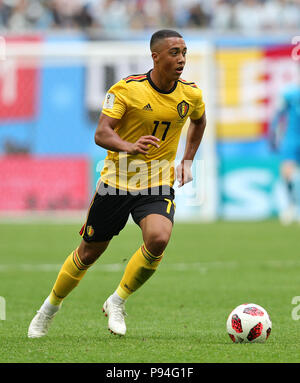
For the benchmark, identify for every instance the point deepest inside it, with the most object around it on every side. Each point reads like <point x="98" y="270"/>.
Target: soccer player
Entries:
<point x="285" y="138"/>
<point x="140" y="126"/>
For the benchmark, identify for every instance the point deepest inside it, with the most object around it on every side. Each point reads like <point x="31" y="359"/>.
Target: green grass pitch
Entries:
<point x="178" y="316"/>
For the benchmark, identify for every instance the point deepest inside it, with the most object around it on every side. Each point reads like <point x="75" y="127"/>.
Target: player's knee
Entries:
<point x="88" y="255"/>
<point x="157" y="242"/>
<point x="90" y="252"/>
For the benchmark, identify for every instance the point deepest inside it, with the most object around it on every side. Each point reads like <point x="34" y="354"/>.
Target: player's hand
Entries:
<point x="184" y="173"/>
<point x="142" y="145"/>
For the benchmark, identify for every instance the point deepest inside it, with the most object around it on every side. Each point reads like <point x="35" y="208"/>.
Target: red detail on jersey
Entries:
<point x="268" y="332"/>
<point x="192" y="84"/>
<point x="82" y="230"/>
<point x="255" y="332"/>
<point x="232" y="337"/>
<point x="135" y="77"/>
<point x="236" y="323"/>
<point x="254" y="311"/>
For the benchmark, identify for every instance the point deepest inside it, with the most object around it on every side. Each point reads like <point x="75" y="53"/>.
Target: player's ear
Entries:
<point x="155" y="57"/>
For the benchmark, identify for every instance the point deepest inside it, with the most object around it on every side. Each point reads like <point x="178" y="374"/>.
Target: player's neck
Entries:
<point x="161" y="83"/>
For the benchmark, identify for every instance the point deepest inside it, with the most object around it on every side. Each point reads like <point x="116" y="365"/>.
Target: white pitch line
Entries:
<point x="202" y="267"/>
<point x="115" y="267"/>
<point x="53" y="267"/>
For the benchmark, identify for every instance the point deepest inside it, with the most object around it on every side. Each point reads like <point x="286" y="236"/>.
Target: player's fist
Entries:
<point x="142" y="145"/>
<point x="184" y="172"/>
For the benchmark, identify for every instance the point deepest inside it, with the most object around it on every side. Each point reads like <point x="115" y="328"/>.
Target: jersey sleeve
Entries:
<point x="115" y="102"/>
<point x="199" y="107"/>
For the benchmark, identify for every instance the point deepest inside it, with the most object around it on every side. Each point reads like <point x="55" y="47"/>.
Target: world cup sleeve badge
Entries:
<point x="109" y="101"/>
<point x="183" y="108"/>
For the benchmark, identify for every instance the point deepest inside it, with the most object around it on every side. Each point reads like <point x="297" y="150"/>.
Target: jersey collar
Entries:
<point x="156" y="88"/>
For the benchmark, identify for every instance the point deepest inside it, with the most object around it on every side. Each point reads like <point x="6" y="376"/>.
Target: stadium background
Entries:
<point x="49" y="109"/>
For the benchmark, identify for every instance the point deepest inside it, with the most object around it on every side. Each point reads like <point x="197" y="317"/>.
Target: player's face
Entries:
<point x="170" y="57"/>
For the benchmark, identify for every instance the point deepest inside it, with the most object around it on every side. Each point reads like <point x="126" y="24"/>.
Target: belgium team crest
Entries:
<point x="183" y="108"/>
<point x="90" y="231"/>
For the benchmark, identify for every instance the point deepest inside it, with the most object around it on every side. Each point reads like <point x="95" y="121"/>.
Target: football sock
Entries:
<point x="290" y="191"/>
<point x="138" y="270"/>
<point x="296" y="187"/>
<point x="48" y="308"/>
<point x="71" y="273"/>
<point x="116" y="299"/>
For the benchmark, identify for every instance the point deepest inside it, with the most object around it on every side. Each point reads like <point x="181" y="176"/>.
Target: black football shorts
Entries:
<point x="110" y="209"/>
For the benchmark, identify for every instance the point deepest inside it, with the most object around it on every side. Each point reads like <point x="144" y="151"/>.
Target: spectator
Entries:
<point x="38" y="15"/>
<point x="248" y="16"/>
<point x="65" y="12"/>
<point x="290" y="13"/>
<point x="17" y="19"/>
<point x="121" y="15"/>
<point x="110" y="15"/>
<point x="5" y="12"/>
<point x="223" y="15"/>
<point x="278" y="14"/>
<point x="198" y="18"/>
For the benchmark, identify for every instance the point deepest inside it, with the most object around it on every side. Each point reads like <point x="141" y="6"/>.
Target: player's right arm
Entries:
<point x="108" y="138"/>
<point x="277" y="123"/>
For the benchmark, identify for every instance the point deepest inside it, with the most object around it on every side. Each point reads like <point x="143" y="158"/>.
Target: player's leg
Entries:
<point x="156" y="221"/>
<point x="288" y="169"/>
<point x="71" y="273"/>
<point x="156" y="231"/>
<point x="289" y="173"/>
<point x="107" y="215"/>
<point x="74" y="269"/>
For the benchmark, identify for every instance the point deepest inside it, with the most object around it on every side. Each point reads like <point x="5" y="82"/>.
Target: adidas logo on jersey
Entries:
<point x="148" y="107"/>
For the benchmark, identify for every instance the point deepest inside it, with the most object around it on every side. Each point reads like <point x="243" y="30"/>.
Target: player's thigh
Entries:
<point x="162" y="205"/>
<point x="107" y="216"/>
<point x="156" y="231"/>
<point x="155" y="215"/>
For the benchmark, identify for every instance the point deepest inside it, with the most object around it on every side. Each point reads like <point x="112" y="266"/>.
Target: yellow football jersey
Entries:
<point x="143" y="109"/>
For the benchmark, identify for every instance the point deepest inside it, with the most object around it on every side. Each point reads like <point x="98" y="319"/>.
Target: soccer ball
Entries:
<point x="249" y="323"/>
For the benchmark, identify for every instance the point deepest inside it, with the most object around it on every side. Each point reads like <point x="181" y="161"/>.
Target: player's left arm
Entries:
<point x="194" y="137"/>
<point x="278" y="123"/>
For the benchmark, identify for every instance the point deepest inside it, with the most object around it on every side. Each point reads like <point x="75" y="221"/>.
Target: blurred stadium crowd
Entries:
<point x="121" y="15"/>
